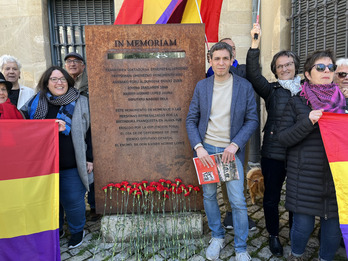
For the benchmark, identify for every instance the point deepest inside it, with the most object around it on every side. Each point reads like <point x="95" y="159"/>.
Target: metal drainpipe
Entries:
<point x="254" y="151"/>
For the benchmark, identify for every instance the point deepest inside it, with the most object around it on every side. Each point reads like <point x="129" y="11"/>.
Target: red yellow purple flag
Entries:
<point x="173" y="11"/>
<point x="333" y="129"/>
<point x="29" y="190"/>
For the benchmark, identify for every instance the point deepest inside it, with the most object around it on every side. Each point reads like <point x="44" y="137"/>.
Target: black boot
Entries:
<point x="275" y="246"/>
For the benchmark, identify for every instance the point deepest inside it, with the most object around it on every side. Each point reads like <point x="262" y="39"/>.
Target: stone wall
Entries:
<point x="24" y="34"/>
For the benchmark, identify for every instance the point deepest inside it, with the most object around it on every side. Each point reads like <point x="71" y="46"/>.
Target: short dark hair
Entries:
<point x="311" y="59"/>
<point x="288" y="54"/>
<point x="42" y="86"/>
<point x="221" y="46"/>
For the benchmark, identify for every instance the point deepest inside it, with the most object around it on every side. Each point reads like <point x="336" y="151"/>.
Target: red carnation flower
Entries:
<point x="165" y="196"/>
<point x="187" y="194"/>
<point x="196" y="189"/>
<point x="117" y="185"/>
<point x="178" y="181"/>
<point x="178" y="191"/>
<point x="124" y="183"/>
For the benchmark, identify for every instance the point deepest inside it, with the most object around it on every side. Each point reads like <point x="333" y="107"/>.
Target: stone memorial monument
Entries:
<point x="141" y="81"/>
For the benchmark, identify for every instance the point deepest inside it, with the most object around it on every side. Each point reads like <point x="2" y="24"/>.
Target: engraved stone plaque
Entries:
<point x="141" y="81"/>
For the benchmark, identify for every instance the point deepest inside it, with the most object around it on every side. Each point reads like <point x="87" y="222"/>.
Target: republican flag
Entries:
<point x="173" y="11"/>
<point x="333" y="129"/>
<point x="29" y="190"/>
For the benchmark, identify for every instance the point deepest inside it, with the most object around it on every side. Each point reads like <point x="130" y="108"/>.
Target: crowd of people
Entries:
<point x="292" y="147"/>
<point x="62" y="95"/>
<point x="221" y="119"/>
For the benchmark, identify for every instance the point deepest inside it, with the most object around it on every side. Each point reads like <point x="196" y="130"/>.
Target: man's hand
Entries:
<point x="229" y="152"/>
<point x="89" y="167"/>
<point x="204" y="157"/>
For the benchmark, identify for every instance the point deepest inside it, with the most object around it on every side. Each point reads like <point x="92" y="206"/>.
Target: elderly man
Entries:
<point x="341" y="77"/>
<point x="222" y="116"/>
<point x="75" y="66"/>
<point x="11" y="69"/>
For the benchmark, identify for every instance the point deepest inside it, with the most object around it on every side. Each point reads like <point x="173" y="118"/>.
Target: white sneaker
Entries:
<point x="243" y="256"/>
<point x="213" y="250"/>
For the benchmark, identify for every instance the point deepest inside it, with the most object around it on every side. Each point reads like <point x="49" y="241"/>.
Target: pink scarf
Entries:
<point x="324" y="96"/>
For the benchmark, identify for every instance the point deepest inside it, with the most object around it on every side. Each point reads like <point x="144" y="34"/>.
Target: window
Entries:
<point x="319" y="24"/>
<point x="67" y="19"/>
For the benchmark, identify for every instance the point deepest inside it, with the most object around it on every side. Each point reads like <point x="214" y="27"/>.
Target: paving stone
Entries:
<point x="97" y="250"/>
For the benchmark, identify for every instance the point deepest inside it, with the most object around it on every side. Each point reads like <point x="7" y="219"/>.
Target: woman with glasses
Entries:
<point x="310" y="189"/>
<point x="285" y="65"/>
<point x="341" y="78"/>
<point x="58" y="99"/>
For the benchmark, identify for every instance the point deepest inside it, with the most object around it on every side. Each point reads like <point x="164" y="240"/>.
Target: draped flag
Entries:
<point x="173" y="11"/>
<point x="333" y="129"/>
<point x="29" y="190"/>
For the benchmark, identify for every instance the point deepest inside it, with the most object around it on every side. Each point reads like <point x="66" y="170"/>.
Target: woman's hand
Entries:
<point x="315" y="115"/>
<point x="61" y="125"/>
<point x="256" y="30"/>
<point x="89" y="167"/>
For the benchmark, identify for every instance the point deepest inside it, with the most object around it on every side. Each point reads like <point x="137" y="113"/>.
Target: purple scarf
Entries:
<point x="324" y="96"/>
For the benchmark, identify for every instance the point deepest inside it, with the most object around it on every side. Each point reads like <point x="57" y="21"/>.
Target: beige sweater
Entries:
<point x="219" y="125"/>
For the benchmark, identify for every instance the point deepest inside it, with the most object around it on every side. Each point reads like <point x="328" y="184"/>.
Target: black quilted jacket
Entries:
<point x="309" y="186"/>
<point x="275" y="98"/>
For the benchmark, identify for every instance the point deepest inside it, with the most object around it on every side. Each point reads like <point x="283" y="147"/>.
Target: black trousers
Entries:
<point x="274" y="173"/>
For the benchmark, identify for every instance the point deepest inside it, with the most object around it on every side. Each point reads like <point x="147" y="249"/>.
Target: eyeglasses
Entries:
<point x="281" y="66"/>
<point x="73" y="61"/>
<point x="320" y="67"/>
<point x="55" y="79"/>
<point x="342" y="74"/>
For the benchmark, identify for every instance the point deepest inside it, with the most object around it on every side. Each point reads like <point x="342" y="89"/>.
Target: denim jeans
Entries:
<point x="302" y="228"/>
<point x="72" y="200"/>
<point x="237" y="201"/>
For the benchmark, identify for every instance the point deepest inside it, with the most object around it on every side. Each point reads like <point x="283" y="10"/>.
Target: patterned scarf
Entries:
<point x="294" y="86"/>
<point x="324" y="96"/>
<point x="9" y="111"/>
<point x="38" y="107"/>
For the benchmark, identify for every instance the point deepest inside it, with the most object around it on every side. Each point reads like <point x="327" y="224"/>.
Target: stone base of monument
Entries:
<point x="117" y="228"/>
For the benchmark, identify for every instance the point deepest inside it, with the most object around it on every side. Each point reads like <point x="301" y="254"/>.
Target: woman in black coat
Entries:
<point x="285" y="65"/>
<point x="310" y="189"/>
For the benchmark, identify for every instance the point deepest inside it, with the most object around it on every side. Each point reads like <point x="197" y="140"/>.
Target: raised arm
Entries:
<point x="253" y="71"/>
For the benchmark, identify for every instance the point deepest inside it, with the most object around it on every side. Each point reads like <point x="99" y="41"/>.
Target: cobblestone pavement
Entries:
<point x="257" y="241"/>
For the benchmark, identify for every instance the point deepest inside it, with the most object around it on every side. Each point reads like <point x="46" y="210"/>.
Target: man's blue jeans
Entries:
<point x="236" y="197"/>
<point x="302" y="228"/>
<point x="72" y="199"/>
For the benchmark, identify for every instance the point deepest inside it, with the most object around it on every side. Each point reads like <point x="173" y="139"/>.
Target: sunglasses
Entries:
<point x="320" y="67"/>
<point x="342" y="75"/>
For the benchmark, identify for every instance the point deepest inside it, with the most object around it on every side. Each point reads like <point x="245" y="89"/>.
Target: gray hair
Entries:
<point x="9" y="59"/>
<point x="342" y="62"/>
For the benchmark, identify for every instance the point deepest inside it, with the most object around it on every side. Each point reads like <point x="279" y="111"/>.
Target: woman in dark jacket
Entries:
<point x="310" y="188"/>
<point x="58" y="99"/>
<point x="285" y="65"/>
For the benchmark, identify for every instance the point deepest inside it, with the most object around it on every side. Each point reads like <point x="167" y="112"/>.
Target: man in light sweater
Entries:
<point x="222" y="117"/>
